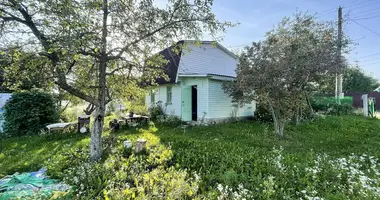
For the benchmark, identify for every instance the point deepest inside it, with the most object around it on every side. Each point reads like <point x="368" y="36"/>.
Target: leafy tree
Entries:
<point x="277" y="72"/>
<point x="31" y="73"/>
<point x="86" y="42"/>
<point x="27" y="112"/>
<point x="355" y="80"/>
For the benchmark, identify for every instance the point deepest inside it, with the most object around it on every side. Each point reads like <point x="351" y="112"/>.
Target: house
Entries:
<point x="194" y="91"/>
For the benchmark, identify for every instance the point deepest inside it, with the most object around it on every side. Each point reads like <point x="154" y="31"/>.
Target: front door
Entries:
<point x="194" y="103"/>
<point x="186" y="103"/>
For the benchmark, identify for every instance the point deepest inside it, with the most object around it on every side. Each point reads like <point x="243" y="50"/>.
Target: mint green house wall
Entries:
<point x="206" y="66"/>
<point x="213" y="103"/>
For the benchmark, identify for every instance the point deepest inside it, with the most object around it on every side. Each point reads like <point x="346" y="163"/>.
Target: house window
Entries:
<point x="169" y="95"/>
<point x="152" y="97"/>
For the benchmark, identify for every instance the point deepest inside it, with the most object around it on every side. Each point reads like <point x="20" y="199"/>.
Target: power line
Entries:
<point x="357" y="2"/>
<point x="359" y="39"/>
<point x="364" y="27"/>
<point x="367" y="56"/>
<point x="326" y="13"/>
<point x="367" y="17"/>
<point x="362" y="6"/>
<point x="367" y="11"/>
<point x="371" y="63"/>
<point x="370" y="60"/>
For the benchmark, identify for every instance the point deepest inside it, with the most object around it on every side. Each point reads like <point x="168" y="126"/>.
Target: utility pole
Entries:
<point x="339" y="74"/>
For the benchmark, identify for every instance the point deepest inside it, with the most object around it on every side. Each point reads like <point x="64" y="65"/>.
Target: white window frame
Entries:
<point x="169" y="98"/>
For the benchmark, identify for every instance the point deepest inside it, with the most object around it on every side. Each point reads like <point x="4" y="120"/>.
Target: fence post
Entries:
<point x="365" y="104"/>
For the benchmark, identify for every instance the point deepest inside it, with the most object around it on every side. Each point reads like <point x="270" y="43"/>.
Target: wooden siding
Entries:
<point x="220" y="105"/>
<point x="202" y="93"/>
<point x="207" y="59"/>
<point x="160" y="95"/>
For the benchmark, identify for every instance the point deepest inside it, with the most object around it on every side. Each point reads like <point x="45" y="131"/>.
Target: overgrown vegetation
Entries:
<point x="249" y="154"/>
<point x="279" y="71"/>
<point x="27" y="112"/>
<point x="102" y="60"/>
<point x="335" y="157"/>
<point x="156" y="110"/>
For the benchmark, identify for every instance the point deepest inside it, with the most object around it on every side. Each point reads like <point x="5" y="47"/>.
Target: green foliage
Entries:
<point x="331" y="107"/>
<point x="72" y="113"/>
<point x="111" y="108"/>
<point x="336" y="157"/>
<point x="355" y="80"/>
<point x="262" y="114"/>
<point x="278" y="70"/>
<point x="242" y="153"/>
<point x="30" y="72"/>
<point x="138" y="109"/>
<point x="87" y="64"/>
<point x="155" y="111"/>
<point x="320" y="103"/>
<point x="172" y="120"/>
<point x="27" y="112"/>
<point x="340" y="109"/>
<point x="142" y="176"/>
<point x="30" y="153"/>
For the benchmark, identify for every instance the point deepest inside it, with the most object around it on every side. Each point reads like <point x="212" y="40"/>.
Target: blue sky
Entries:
<point x="257" y="17"/>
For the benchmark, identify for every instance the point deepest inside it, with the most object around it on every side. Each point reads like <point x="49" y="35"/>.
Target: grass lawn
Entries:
<point x="226" y="153"/>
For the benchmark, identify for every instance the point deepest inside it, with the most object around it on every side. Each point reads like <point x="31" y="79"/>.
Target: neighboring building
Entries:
<point x="194" y="89"/>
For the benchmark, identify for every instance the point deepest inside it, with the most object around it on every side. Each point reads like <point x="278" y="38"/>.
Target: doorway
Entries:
<point x="194" y="103"/>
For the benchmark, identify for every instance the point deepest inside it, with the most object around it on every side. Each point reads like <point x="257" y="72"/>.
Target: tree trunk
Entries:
<point x="297" y="115"/>
<point x="309" y="104"/>
<point x="277" y="122"/>
<point x="96" y="134"/>
<point x="279" y="128"/>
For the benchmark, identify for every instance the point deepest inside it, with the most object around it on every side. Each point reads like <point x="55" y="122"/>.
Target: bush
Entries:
<point x="156" y="110"/>
<point x="127" y="176"/>
<point x="324" y="103"/>
<point x="342" y="109"/>
<point x="262" y="114"/>
<point x="27" y="112"/>
<point x="138" y="109"/>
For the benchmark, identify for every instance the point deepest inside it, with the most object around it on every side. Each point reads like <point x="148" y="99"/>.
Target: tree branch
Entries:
<point x="63" y="84"/>
<point x="53" y="57"/>
<point x="128" y="66"/>
<point x="11" y="17"/>
<point x="150" y="34"/>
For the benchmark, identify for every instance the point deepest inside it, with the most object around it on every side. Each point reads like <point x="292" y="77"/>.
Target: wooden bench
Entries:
<point x="60" y="126"/>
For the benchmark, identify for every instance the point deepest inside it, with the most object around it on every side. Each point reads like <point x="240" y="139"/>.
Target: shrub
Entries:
<point x="129" y="176"/>
<point x="262" y="114"/>
<point x="156" y="110"/>
<point x="138" y="109"/>
<point x="319" y="103"/>
<point x="342" y="109"/>
<point x="27" y="112"/>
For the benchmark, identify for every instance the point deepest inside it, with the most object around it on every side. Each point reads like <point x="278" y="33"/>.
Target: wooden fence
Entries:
<point x="357" y="98"/>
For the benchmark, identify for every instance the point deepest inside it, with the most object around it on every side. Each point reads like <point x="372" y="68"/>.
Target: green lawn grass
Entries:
<point x="224" y="153"/>
<point x="334" y="135"/>
<point x="220" y="153"/>
<point x="19" y="154"/>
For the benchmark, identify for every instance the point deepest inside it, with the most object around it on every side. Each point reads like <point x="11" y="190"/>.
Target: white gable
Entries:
<point x="207" y="59"/>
